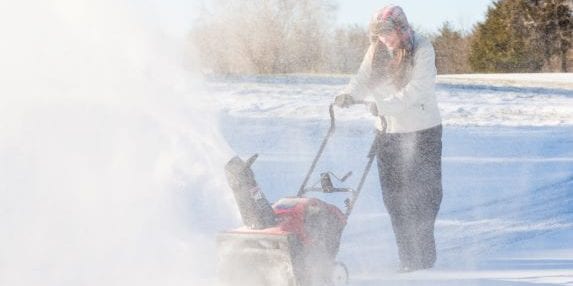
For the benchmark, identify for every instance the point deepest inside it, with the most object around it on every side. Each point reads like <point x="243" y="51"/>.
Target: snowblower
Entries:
<point x="292" y="242"/>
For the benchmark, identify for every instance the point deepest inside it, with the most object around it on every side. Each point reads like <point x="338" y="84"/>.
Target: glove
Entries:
<point x="343" y="100"/>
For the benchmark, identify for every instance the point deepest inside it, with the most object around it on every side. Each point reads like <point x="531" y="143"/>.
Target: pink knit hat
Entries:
<point x="392" y="18"/>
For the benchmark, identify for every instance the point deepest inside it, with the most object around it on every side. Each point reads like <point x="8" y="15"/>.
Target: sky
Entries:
<point x="427" y="16"/>
<point x="424" y="15"/>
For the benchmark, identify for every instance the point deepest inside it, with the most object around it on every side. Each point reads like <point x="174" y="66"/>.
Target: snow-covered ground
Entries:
<point x="507" y="213"/>
<point x="543" y="80"/>
<point x="479" y="101"/>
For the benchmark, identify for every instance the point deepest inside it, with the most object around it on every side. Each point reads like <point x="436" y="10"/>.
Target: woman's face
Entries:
<point x="390" y="39"/>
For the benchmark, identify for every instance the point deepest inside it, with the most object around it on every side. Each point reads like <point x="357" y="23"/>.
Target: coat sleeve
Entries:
<point x="423" y="79"/>
<point x="358" y="86"/>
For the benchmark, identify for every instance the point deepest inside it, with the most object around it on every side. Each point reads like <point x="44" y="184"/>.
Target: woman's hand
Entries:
<point x="343" y="100"/>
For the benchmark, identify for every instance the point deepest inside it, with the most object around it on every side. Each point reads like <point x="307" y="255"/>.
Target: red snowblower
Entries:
<point x="292" y="242"/>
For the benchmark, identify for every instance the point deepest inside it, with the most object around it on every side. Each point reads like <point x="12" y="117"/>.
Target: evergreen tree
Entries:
<point x="554" y="25"/>
<point x="502" y="43"/>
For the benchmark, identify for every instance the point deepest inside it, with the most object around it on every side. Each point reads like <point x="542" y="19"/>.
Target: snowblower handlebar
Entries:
<point x="369" y="104"/>
<point x="333" y="190"/>
<point x="372" y="108"/>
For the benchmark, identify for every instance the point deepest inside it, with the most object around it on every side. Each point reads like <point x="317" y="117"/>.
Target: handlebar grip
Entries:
<point x="372" y="107"/>
<point x="331" y="112"/>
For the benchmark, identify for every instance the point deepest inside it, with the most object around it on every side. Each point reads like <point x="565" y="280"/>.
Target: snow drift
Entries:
<point x="111" y="163"/>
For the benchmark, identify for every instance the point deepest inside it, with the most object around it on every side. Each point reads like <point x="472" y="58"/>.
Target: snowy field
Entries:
<point x="507" y="213"/>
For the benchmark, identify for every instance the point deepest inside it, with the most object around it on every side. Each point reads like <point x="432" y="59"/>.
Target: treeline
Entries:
<point x="300" y="36"/>
<point x="276" y="36"/>
<point x="523" y="36"/>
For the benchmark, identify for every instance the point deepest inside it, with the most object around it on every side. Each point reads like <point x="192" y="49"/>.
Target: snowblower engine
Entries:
<point x="293" y="242"/>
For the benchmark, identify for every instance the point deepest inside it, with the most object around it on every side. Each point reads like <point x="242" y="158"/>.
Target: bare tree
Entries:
<point x="452" y="50"/>
<point x="349" y="46"/>
<point x="265" y="36"/>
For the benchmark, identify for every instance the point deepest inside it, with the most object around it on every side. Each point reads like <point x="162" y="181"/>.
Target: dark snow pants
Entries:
<point x="410" y="171"/>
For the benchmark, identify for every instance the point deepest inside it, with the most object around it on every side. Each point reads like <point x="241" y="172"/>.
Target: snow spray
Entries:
<point x="111" y="169"/>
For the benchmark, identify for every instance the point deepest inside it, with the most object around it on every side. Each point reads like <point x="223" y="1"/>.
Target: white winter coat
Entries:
<point x="411" y="108"/>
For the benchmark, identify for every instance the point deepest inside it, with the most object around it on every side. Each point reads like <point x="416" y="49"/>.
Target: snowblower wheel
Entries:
<point x="339" y="274"/>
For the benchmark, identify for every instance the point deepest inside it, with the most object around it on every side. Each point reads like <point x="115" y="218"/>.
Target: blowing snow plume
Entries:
<point x="111" y="162"/>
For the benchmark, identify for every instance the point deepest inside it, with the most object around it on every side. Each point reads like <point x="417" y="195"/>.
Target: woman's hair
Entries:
<point x="394" y="63"/>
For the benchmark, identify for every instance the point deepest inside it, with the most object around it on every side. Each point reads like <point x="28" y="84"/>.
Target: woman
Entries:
<point x="399" y="72"/>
